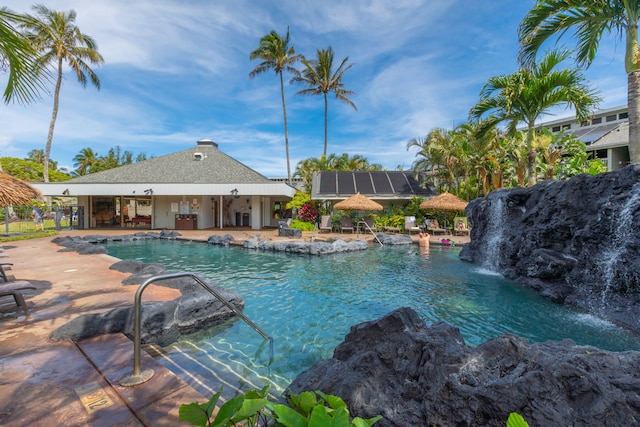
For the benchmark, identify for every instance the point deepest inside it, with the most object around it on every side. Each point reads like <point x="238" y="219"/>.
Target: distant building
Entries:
<point x="606" y="135"/>
<point x="197" y="188"/>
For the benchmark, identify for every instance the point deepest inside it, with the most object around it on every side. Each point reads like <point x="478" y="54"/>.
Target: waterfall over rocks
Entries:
<point x="575" y="241"/>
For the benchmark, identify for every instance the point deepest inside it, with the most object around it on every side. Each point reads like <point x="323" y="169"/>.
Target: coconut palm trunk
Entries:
<point x="286" y="130"/>
<point x="633" y="101"/>
<point x="52" y="123"/>
<point x="326" y="124"/>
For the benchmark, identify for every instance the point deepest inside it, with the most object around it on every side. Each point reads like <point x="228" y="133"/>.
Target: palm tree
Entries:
<point x="84" y="160"/>
<point x="17" y="55"/>
<point x="277" y="55"/>
<point x="319" y="75"/>
<point x="59" y="40"/>
<point x="591" y="20"/>
<point x="522" y="97"/>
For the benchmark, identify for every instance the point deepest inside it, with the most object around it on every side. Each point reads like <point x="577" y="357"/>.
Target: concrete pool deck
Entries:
<point x="70" y="383"/>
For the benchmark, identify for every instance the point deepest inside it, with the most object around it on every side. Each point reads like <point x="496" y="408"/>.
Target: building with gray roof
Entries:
<point x="606" y="134"/>
<point x="200" y="187"/>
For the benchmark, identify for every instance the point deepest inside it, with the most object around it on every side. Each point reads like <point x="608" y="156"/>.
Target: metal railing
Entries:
<point x="363" y="223"/>
<point x="138" y="377"/>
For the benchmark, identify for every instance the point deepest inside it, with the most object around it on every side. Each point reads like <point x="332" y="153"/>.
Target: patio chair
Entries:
<point x="434" y="228"/>
<point x="325" y="223"/>
<point x="13" y="289"/>
<point x="346" y="223"/>
<point x="410" y="224"/>
<point x="3" y="273"/>
<point x="368" y="224"/>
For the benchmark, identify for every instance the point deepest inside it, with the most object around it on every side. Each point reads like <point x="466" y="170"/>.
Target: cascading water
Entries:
<point x="494" y="234"/>
<point x="622" y="226"/>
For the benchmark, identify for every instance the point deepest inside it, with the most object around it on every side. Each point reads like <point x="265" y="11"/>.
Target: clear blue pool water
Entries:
<point x="307" y="304"/>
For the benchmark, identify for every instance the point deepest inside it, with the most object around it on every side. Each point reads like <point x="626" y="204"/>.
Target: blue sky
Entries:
<point x="177" y="71"/>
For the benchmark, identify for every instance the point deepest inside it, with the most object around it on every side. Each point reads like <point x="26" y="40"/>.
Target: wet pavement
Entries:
<point x="68" y="383"/>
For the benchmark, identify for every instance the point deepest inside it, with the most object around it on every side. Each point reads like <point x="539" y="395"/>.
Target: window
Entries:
<point x="612" y="118"/>
<point x="555" y="129"/>
<point x="584" y="123"/>
<point x="623" y="116"/>
<point x="566" y="127"/>
<point x="596" y="121"/>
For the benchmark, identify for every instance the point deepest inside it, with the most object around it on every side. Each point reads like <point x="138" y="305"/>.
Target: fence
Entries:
<point x="16" y="220"/>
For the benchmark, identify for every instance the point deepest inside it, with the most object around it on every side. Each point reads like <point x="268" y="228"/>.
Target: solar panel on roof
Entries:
<point x="345" y="183"/>
<point x="363" y="182"/>
<point x="399" y="183"/>
<point x="381" y="182"/>
<point x="328" y="183"/>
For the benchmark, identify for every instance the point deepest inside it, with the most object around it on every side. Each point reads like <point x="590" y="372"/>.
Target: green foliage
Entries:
<point x="302" y="225"/>
<point x="308" y="409"/>
<point x="316" y="409"/>
<point x="299" y="199"/>
<point x="30" y="171"/>
<point x="516" y="420"/>
<point x="247" y="407"/>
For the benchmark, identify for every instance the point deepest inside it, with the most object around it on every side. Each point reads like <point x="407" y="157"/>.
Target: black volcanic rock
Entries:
<point x="414" y="375"/>
<point x="575" y="241"/>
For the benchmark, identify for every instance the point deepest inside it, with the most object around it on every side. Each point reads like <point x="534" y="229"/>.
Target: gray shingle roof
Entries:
<point x="203" y="164"/>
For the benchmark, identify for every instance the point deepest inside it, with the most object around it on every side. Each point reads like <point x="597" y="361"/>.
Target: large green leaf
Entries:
<point x="287" y="417"/>
<point x="198" y="413"/>
<point x="334" y="401"/>
<point x="516" y="420"/>
<point x="321" y="418"/>
<point x="228" y="411"/>
<point x="303" y="402"/>
<point x="361" y="422"/>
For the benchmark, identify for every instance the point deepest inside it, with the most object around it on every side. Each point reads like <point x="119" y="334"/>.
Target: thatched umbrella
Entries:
<point x="445" y="202"/>
<point x="14" y="191"/>
<point x="358" y="202"/>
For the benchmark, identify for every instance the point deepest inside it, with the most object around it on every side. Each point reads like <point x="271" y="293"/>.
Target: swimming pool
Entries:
<point x="307" y="304"/>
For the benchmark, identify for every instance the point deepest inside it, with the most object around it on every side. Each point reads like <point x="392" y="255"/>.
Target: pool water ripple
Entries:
<point x="307" y="304"/>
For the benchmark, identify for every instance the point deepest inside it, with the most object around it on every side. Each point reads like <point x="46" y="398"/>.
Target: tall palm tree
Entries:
<point x="59" y="40"/>
<point x="321" y="78"/>
<point x="84" y="160"/>
<point x="19" y="58"/>
<point x="590" y="19"/>
<point x="522" y="97"/>
<point x="277" y="55"/>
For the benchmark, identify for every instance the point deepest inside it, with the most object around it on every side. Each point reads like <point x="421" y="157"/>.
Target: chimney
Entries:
<point x="207" y="142"/>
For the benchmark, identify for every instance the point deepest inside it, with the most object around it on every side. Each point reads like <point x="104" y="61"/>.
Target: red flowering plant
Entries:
<point x="308" y="212"/>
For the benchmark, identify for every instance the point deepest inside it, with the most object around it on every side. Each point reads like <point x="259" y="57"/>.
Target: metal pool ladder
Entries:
<point x="137" y="377"/>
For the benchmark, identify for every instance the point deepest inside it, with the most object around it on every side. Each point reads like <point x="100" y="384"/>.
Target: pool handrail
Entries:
<point x="365" y="225"/>
<point x="137" y="377"/>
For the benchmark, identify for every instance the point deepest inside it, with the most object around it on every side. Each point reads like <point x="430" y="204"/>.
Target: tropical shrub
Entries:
<point x="253" y="409"/>
<point x="302" y="225"/>
<point x="308" y="213"/>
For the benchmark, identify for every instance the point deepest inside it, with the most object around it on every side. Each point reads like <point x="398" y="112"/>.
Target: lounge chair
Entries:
<point x="461" y="226"/>
<point x="346" y="223"/>
<point x="391" y="229"/>
<point x="13" y="289"/>
<point x="3" y="273"/>
<point x="325" y="223"/>
<point x="434" y="228"/>
<point x="367" y="223"/>
<point x="410" y="224"/>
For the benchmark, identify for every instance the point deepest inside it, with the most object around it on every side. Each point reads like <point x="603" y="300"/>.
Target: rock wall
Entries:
<point x="577" y="241"/>
<point x="414" y="375"/>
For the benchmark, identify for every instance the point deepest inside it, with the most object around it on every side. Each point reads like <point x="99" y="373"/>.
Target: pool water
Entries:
<point x="307" y="304"/>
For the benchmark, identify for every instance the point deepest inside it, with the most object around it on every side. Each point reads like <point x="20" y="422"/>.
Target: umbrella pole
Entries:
<point x="6" y="220"/>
